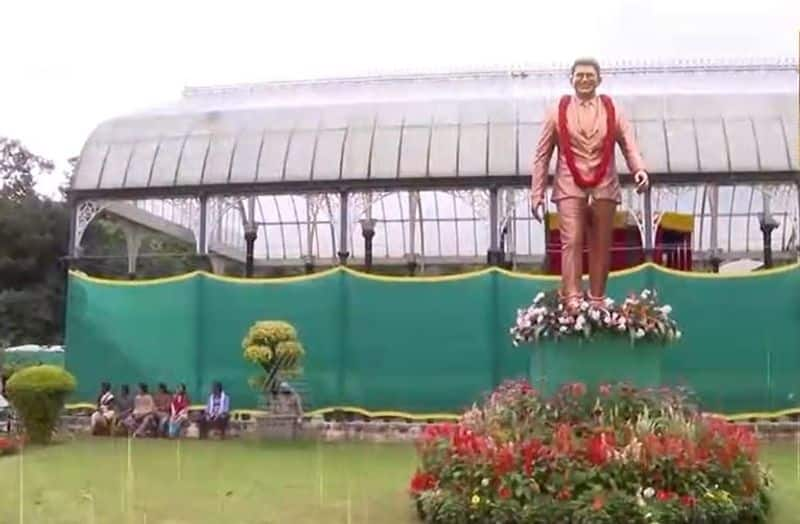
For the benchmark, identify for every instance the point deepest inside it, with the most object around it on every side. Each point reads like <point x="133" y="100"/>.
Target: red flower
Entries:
<point x="599" y="447"/>
<point x="664" y="496"/>
<point x="422" y="482"/>
<point x="604" y="390"/>
<point x="531" y="450"/>
<point x="564" y="494"/>
<point x="598" y="502"/>
<point x="504" y="492"/>
<point x="688" y="501"/>
<point x="577" y="389"/>
<point x="503" y="461"/>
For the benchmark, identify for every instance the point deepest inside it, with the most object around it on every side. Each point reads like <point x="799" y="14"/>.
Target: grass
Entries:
<point x="240" y="482"/>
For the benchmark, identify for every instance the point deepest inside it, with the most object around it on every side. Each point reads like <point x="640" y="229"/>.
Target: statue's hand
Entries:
<point x="537" y="210"/>
<point x="642" y="180"/>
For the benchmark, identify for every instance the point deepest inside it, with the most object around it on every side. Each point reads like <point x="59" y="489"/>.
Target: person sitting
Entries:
<point x="217" y="412"/>
<point x="287" y="401"/>
<point x="162" y="400"/>
<point x="103" y="419"/>
<point x="124" y="407"/>
<point x="178" y="411"/>
<point x="142" y="420"/>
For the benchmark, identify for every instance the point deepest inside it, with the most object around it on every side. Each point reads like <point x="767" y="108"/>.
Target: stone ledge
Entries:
<point x="316" y="428"/>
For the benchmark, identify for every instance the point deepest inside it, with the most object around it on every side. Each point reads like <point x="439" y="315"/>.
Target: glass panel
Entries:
<point x="384" y="152"/>
<point x="712" y="145"/>
<point x="270" y="167"/>
<point x="329" y="154"/>
<point x="472" y="150"/>
<point x="742" y="145"/>
<point x="682" y="147"/>
<point x="301" y="152"/>
<point x="650" y="135"/>
<point x="218" y="161"/>
<point x="431" y="239"/>
<point x="245" y="159"/>
<point x="448" y="238"/>
<point x="115" y="164"/>
<point x="166" y="160"/>
<point x="528" y="135"/>
<point x="356" y="152"/>
<point x="192" y="158"/>
<point x="502" y="149"/>
<point x="139" y="168"/>
<point x="90" y="164"/>
<point x="771" y="145"/>
<point x="414" y="154"/>
<point x="443" y="150"/>
<point x="473" y="112"/>
<point x="790" y="127"/>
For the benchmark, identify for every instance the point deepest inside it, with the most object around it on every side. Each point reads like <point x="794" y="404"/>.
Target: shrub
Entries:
<point x="615" y="455"/>
<point x="37" y="394"/>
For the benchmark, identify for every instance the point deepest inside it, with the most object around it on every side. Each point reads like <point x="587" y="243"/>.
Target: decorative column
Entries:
<point x="133" y="242"/>
<point x="343" y="254"/>
<point x="494" y="256"/>
<point x="250" y="236"/>
<point x="368" y="232"/>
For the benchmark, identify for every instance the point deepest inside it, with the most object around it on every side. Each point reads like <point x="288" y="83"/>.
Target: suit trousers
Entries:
<point x="595" y="220"/>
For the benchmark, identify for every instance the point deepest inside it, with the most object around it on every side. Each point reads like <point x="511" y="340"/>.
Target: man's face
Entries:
<point x="585" y="80"/>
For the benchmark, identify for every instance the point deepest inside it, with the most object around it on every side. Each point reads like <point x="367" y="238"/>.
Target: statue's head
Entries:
<point x="585" y="76"/>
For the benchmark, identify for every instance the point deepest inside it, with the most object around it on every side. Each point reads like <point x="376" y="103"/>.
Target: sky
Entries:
<point x="71" y="65"/>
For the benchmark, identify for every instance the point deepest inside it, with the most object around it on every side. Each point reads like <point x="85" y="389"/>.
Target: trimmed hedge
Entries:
<point x="38" y="394"/>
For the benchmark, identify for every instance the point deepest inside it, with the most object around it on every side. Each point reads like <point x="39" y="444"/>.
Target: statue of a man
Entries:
<point x="585" y="127"/>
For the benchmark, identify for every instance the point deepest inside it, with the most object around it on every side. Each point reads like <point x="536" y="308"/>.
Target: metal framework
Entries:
<point x="440" y="163"/>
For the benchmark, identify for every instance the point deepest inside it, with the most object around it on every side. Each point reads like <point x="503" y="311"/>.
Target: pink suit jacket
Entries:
<point x="586" y="123"/>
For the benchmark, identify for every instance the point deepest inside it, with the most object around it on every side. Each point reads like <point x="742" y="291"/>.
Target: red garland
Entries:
<point x="608" y="143"/>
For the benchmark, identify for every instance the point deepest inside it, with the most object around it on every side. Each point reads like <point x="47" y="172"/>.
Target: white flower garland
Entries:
<point x="639" y="318"/>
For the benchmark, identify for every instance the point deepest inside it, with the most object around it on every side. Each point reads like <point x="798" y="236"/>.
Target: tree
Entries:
<point x="274" y="346"/>
<point x="33" y="239"/>
<point x="19" y="169"/>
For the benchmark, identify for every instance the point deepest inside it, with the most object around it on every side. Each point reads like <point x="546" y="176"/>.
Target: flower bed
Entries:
<point x="8" y="445"/>
<point x="614" y="455"/>
<point x="639" y="317"/>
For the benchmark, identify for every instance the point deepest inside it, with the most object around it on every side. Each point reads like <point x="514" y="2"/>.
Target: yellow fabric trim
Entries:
<point x="677" y="222"/>
<point x="271" y="280"/>
<point x="447" y="416"/>
<point x="153" y="281"/>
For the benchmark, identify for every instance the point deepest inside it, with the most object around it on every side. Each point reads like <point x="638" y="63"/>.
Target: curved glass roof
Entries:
<point x="386" y="132"/>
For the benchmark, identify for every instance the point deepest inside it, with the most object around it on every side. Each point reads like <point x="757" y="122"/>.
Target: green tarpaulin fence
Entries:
<point x="420" y="345"/>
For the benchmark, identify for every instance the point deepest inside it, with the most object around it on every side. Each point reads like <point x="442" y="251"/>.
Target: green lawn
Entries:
<point x="240" y="482"/>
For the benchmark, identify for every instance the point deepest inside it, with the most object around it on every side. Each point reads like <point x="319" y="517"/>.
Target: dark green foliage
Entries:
<point x="38" y="394"/>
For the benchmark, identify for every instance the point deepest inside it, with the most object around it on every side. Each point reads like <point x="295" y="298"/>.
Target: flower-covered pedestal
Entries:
<point x="595" y="343"/>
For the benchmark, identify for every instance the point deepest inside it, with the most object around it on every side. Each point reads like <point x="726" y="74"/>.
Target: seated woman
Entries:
<point x="103" y="419"/>
<point x="142" y="420"/>
<point x="124" y="407"/>
<point x="178" y="411"/>
<point x="162" y="399"/>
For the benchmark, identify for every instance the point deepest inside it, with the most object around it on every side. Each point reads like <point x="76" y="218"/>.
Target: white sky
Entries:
<point x="70" y="65"/>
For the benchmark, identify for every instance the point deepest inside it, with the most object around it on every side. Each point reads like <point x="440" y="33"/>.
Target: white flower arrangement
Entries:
<point x="640" y="318"/>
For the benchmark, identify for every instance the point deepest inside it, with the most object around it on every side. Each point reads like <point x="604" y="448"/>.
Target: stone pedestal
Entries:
<point x="594" y="362"/>
<point x="280" y="427"/>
